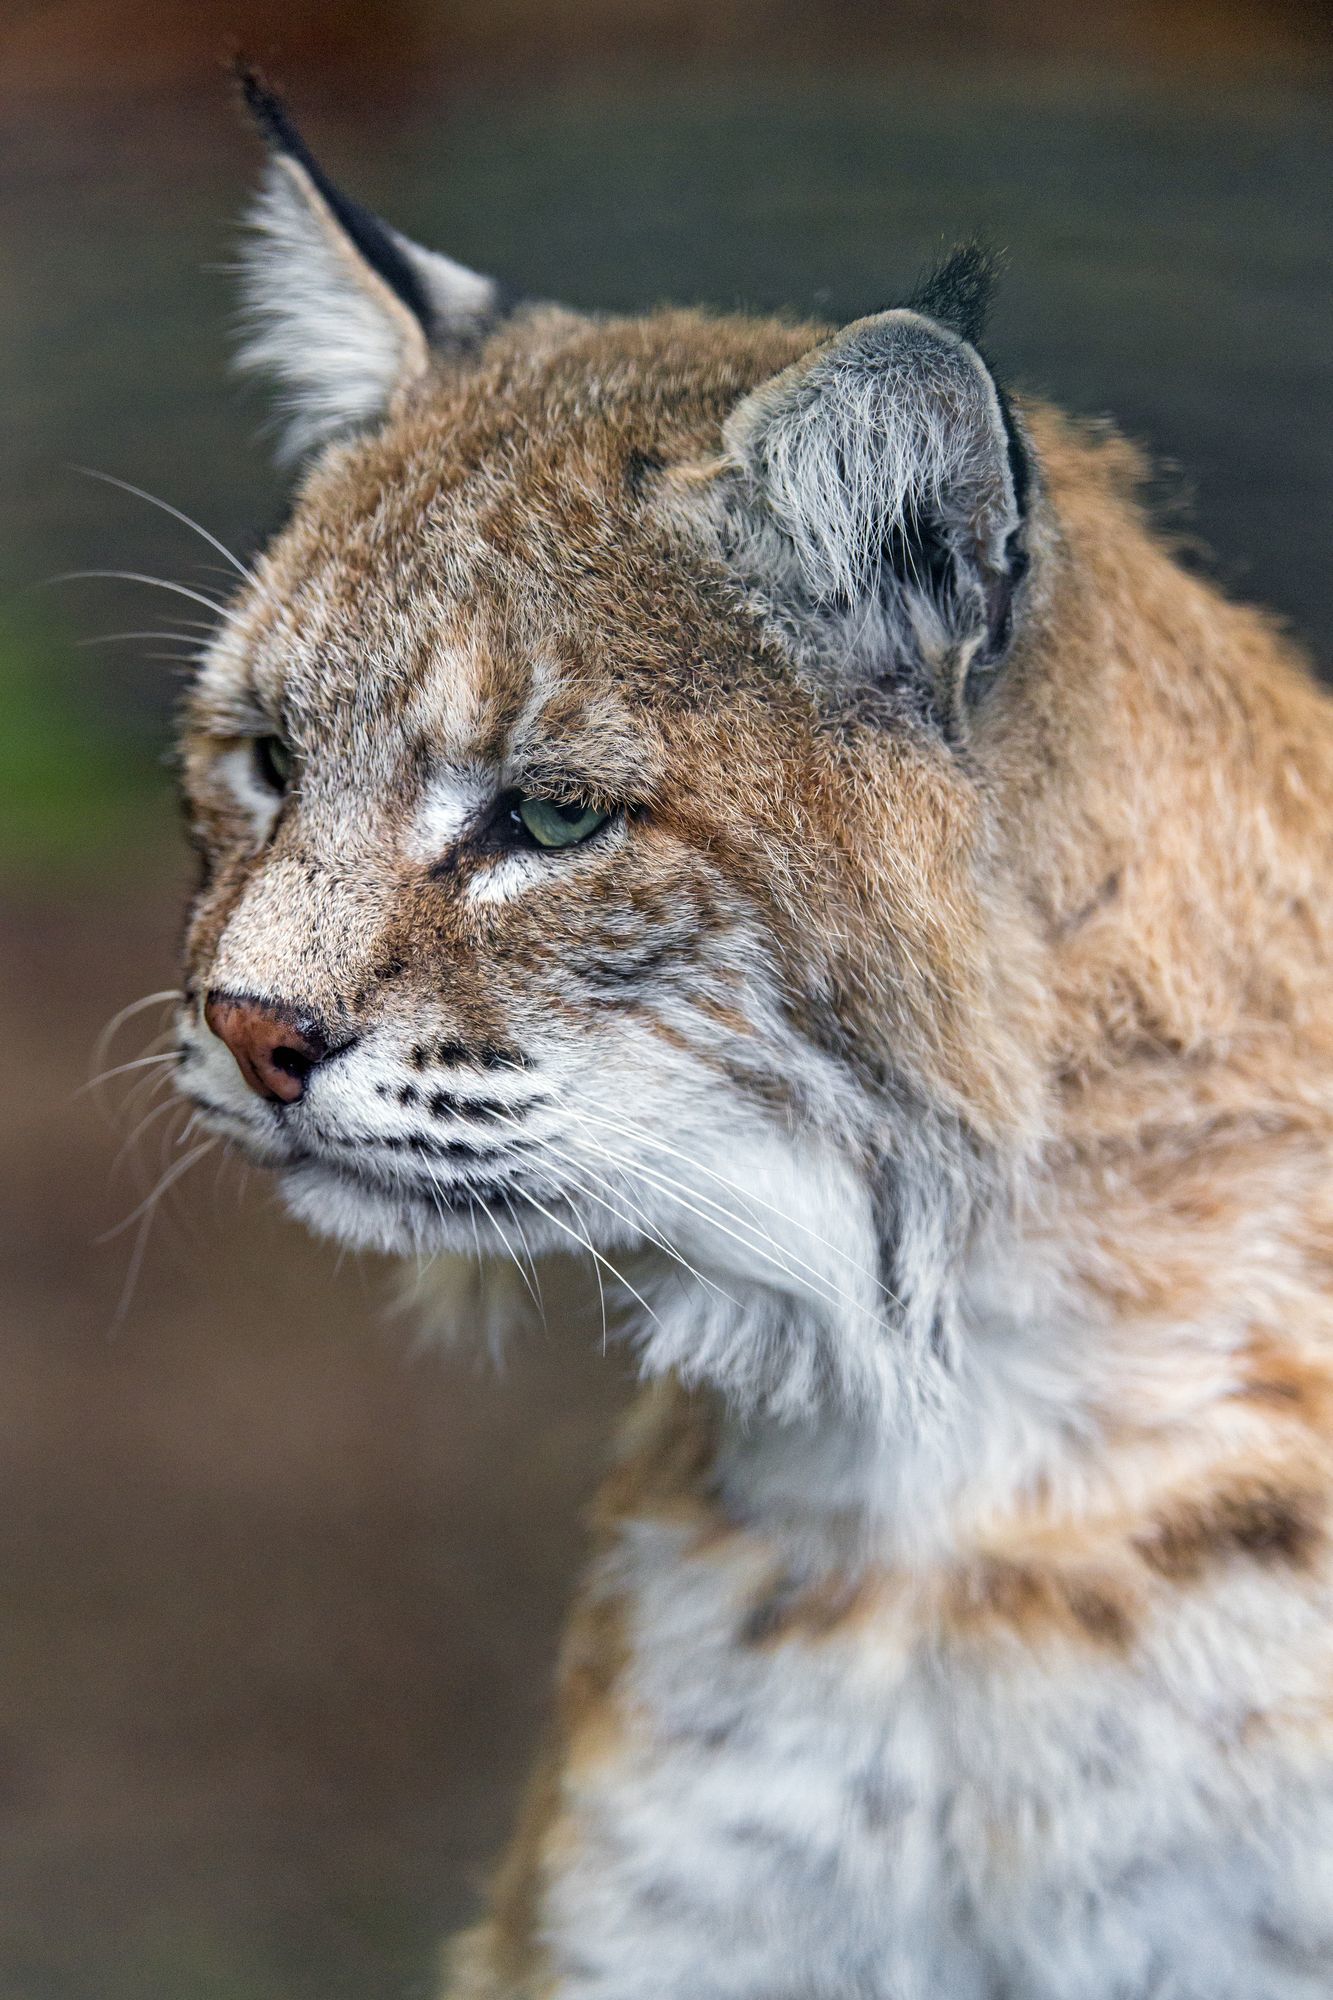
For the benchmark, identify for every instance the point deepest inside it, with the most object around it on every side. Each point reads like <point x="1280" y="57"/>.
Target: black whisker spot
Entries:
<point x="458" y="1055"/>
<point x="482" y="1109"/>
<point x="503" y="1059"/>
<point x="433" y="1149"/>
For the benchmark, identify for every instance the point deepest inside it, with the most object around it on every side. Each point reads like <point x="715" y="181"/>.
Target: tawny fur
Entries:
<point x="1002" y="1665"/>
<point x="1158" y="794"/>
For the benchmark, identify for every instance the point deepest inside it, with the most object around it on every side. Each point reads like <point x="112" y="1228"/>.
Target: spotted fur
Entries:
<point x="934" y="1034"/>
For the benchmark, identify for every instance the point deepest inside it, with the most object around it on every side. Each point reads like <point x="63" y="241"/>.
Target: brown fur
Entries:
<point x="1106" y="925"/>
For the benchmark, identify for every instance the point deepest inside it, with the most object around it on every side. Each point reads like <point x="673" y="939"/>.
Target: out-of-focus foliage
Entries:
<point x="77" y="792"/>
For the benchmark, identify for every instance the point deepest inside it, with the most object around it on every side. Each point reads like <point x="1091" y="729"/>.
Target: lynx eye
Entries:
<point x="273" y="762"/>
<point x="552" y="825"/>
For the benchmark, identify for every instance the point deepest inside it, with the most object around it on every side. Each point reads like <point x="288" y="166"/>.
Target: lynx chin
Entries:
<point x="754" y="802"/>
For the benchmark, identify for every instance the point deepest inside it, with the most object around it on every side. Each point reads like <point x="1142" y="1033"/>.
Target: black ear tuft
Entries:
<point x="958" y="292"/>
<point x="366" y="232"/>
<point x="267" y="109"/>
<point x="341" y="311"/>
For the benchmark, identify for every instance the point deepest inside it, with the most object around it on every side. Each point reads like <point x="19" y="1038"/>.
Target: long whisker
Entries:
<point x="147" y="1210"/>
<point x="117" y="1021"/>
<point x="132" y="1271"/>
<point x="144" y="1091"/>
<point x="579" y="1170"/>
<point x="815" y="1279"/>
<point x="584" y="1240"/>
<point x="195" y="1120"/>
<point x="747" y="1197"/>
<point x="532" y="1262"/>
<point x="149" y="1118"/>
<point x="476" y="1240"/>
<point x="122" y="1069"/>
<point x="439" y="1190"/>
<point x="138" y="576"/>
<point x="642" y="1135"/>
<point x="150" y="1201"/>
<point x="534" y="1287"/>
<point x="638" y="1216"/>
<point x="181" y="639"/>
<point x="757" y="1241"/>
<point x="601" y="1298"/>
<point x="172" y="1140"/>
<point x="757" y="1245"/>
<point x="514" y="1258"/>
<point x="179" y="629"/>
<point x="177" y="514"/>
<point x="154" y="1058"/>
<point x="592" y="1250"/>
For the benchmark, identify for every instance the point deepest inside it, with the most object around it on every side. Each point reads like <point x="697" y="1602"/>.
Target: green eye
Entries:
<point x="273" y="762"/>
<point x="552" y="825"/>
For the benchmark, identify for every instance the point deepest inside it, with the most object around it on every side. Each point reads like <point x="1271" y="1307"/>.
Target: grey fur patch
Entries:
<point x="875" y="498"/>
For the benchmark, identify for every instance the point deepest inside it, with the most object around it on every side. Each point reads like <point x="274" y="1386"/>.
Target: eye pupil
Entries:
<point x="273" y="760"/>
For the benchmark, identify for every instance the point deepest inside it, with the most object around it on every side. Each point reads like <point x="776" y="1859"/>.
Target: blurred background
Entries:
<point x="279" y="1582"/>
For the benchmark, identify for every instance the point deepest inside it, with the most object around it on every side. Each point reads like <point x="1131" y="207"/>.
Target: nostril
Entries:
<point x="294" y="1062"/>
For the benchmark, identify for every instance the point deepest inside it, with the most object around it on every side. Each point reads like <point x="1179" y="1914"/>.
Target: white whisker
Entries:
<point x="138" y="576"/>
<point x="177" y="514"/>
<point x="532" y="1265"/>
<point x="122" y="1069"/>
<point x="182" y="639"/>
<point x="592" y="1250"/>
<point x="150" y="1201"/>
<point x="149" y="1118"/>
<point x="757" y="1241"/>
<point x="514" y="1259"/>
<point x="746" y="1195"/>
<point x="638" y="1218"/>
<point x="143" y="1092"/>
<point x="117" y="1021"/>
<point x="146" y="1210"/>
<point x="439" y="1191"/>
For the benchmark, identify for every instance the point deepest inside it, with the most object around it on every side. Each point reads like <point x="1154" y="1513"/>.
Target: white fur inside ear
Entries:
<point x="895" y="418"/>
<point x="324" y="324"/>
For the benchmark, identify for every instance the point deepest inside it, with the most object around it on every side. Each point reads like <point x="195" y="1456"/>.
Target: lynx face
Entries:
<point x="589" y="789"/>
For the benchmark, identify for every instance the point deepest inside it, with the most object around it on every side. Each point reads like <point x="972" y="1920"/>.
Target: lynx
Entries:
<point x="752" y="802"/>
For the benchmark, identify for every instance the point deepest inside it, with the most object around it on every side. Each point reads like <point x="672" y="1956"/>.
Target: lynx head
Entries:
<point x="595" y="792"/>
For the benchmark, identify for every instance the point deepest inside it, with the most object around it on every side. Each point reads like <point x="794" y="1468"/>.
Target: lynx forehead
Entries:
<point x="749" y="801"/>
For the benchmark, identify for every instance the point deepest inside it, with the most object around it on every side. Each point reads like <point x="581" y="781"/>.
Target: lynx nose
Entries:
<point x="275" y="1046"/>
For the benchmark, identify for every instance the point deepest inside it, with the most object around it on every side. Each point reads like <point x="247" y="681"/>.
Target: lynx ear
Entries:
<point x="341" y="309"/>
<point x="882" y="486"/>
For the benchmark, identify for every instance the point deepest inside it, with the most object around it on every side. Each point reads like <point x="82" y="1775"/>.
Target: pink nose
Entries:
<point x="275" y="1046"/>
